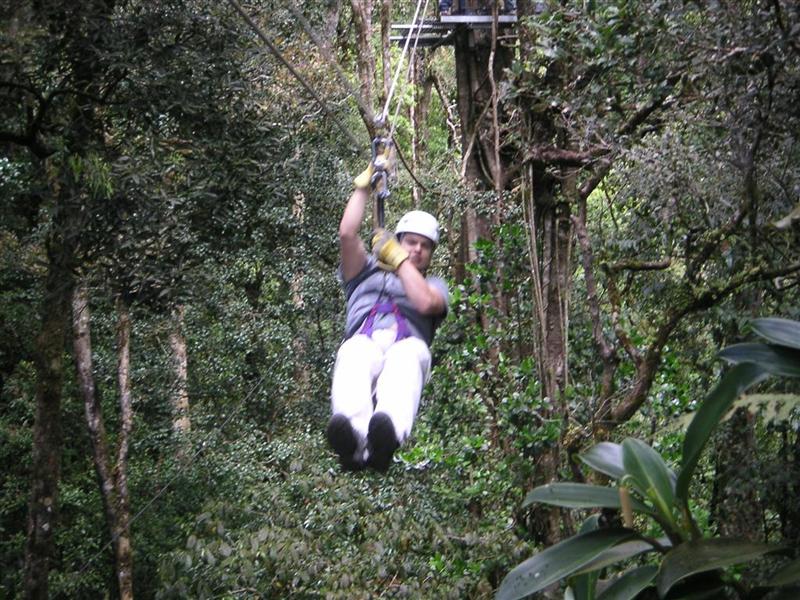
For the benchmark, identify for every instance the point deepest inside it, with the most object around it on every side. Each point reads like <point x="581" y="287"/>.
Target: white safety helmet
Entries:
<point x="419" y="222"/>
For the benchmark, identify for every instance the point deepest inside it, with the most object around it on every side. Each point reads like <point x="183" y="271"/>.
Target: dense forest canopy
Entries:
<point x="618" y="185"/>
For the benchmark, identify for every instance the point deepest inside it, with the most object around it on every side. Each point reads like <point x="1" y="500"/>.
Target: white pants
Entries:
<point x="395" y="370"/>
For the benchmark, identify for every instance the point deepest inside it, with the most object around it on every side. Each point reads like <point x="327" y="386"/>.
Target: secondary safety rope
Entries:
<point x="385" y="111"/>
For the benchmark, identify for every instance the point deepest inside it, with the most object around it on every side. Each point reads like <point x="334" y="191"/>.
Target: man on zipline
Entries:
<point x="393" y="310"/>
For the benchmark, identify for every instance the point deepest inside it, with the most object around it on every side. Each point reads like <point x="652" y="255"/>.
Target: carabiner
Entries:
<point x="381" y="153"/>
<point x="379" y="182"/>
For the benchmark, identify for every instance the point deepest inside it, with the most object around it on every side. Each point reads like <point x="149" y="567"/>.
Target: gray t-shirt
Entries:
<point x="373" y="285"/>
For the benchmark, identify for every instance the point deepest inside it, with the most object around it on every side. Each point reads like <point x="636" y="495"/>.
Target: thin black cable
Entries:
<point x="410" y="172"/>
<point x="367" y="110"/>
<point x="272" y="48"/>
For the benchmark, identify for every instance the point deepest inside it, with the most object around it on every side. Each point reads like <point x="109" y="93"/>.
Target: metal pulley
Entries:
<point x="384" y="169"/>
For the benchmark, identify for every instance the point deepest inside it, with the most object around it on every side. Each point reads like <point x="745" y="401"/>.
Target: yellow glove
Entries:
<point x="388" y="250"/>
<point x="362" y="181"/>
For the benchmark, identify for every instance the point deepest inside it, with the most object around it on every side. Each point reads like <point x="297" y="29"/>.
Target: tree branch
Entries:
<point x="607" y="353"/>
<point x="29" y="141"/>
<point x="628" y="128"/>
<point x="622" y="336"/>
<point x="636" y="265"/>
<point x="561" y="157"/>
<point x="647" y="369"/>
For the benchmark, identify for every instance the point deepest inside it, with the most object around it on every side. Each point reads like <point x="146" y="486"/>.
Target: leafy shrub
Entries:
<point x="648" y="487"/>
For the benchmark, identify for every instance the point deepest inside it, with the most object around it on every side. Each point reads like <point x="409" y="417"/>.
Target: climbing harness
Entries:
<point x="385" y="308"/>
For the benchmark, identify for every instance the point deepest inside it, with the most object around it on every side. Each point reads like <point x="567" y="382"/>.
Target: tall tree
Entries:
<point x="181" y="421"/>
<point x="52" y="95"/>
<point x="595" y="91"/>
<point x="112" y="477"/>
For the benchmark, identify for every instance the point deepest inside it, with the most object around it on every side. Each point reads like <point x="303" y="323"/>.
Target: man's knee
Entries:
<point x="356" y="348"/>
<point x="411" y="351"/>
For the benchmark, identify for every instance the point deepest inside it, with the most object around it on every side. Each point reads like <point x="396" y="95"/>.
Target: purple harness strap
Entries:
<point x="383" y="308"/>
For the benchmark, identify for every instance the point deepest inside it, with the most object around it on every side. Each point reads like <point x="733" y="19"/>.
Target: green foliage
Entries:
<point x="580" y="495"/>
<point x="208" y="180"/>
<point x="289" y="524"/>
<point x="661" y="495"/>
<point x="556" y="562"/>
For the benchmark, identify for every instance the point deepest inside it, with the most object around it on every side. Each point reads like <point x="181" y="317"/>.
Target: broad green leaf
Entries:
<point x="706" y="555"/>
<point x="789" y="573"/>
<point x="776" y="360"/>
<point x="605" y="457"/>
<point x="647" y="468"/>
<point x="580" y="495"/>
<point x="557" y="562"/>
<point x="582" y="586"/>
<point x="590" y="524"/>
<point x="621" y="552"/>
<point x="782" y="332"/>
<point x="630" y="584"/>
<point x="708" y="416"/>
<point x="773" y="408"/>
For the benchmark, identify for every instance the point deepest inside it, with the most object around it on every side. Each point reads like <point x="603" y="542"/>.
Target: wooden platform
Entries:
<point x="438" y="32"/>
<point x="477" y="21"/>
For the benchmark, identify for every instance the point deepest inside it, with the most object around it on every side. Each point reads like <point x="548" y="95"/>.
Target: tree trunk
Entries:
<point x="556" y="242"/>
<point x="113" y="485"/>
<point x="122" y="533"/>
<point x="476" y="66"/>
<point x="550" y="243"/>
<point x="330" y="24"/>
<point x="302" y="374"/>
<point x="47" y="440"/>
<point x="481" y="64"/>
<point x="181" y="422"/>
<point x="423" y="87"/>
<point x="81" y="56"/>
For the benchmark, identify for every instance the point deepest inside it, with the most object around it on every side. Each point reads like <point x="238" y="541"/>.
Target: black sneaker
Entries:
<point x="343" y="440"/>
<point x="382" y="442"/>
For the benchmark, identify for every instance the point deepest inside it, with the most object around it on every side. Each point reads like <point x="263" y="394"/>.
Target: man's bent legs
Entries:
<point x="406" y="368"/>
<point x="358" y="362"/>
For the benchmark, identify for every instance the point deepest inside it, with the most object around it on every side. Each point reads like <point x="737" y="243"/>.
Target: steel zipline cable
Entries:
<point x="385" y="111"/>
<point x="272" y="48"/>
<point x="344" y="81"/>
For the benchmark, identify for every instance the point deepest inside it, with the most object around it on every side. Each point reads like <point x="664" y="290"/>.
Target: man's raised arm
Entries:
<point x="354" y="254"/>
